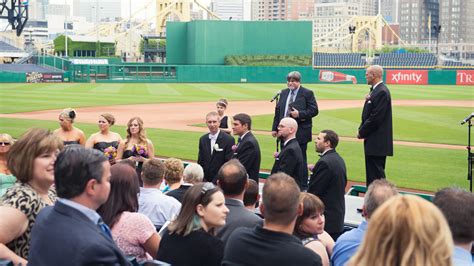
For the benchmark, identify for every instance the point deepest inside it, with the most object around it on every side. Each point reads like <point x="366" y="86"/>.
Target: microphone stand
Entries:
<point x="470" y="156"/>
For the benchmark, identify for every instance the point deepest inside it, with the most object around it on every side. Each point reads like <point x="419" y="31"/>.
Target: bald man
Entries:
<point x="376" y="127"/>
<point x="290" y="159"/>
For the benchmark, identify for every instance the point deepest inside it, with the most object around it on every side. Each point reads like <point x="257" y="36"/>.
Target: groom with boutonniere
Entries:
<point x="215" y="148"/>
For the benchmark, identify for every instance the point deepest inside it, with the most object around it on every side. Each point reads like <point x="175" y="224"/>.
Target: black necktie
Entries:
<point x="371" y="88"/>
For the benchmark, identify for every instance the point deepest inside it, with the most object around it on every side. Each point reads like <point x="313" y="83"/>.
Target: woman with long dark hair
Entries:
<point x="133" y="232"/>
<point x="189" y="240"/>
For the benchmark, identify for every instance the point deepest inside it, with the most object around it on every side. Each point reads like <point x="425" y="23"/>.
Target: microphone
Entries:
<point x="275" y="97"/>
<point x="467" y="119"/>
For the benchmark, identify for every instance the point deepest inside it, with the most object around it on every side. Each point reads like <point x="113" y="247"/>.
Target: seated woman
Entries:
<point x="189" y="240"/>
<point x="133" y="232"/>
<point x="406" y="230"/>
<point x="136" y="147"/>
<point x="226" y="121"/>
<point x="309" y="227"/>
<point x="105" y="140"/>
<point x="31" y="159"/>
<point x="7" y="180"/>
<point x="173" y="174"/>
<point x="67" y="132"/>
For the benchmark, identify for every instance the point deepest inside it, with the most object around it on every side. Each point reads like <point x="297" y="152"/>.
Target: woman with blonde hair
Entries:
<point x="67" y="132"/>
<point x="31" y="160"/>
<point x="406" y="231"/>
<point x="309" y="227"/>
<point x="105" y="140"/>
<point x="136" y="147"/>
<point x="6" y="178"/>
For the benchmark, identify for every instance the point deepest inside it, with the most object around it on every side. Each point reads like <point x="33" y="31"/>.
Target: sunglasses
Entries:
<point x="4" y="143"/>
<point x="206" y="187"/>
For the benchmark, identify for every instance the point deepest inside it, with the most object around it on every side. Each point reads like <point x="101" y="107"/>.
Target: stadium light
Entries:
<point x="352" y="30"/>
<point x="437" y="29"/>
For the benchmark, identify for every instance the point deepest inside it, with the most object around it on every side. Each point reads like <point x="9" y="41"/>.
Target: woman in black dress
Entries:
<point x="67" y="132"/>
<point x="105" y="140"/>
<point x="226" y="121"/>
<point x="136" y="147"/>
<point x="189" y="239"/>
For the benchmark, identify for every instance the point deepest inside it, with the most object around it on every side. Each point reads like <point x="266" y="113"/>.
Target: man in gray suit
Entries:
<point x="233" y="180"/>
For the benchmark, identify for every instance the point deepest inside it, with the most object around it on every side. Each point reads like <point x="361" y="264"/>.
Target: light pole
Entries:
<point x="352" y="30"/>
<point x="437" y="29"/>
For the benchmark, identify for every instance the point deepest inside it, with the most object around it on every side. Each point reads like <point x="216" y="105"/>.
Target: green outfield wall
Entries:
<point x="203" y="42"/>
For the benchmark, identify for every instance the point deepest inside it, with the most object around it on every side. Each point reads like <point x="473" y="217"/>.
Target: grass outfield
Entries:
<point x="412" y="167"/>
<point x="418" y="124"/>
<point x="20" y="97"/>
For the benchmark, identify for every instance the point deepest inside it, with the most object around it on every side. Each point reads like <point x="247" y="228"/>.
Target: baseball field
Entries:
<point x="430" y="144"/>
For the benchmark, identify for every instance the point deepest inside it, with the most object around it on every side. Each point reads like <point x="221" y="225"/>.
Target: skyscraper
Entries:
<point x="94" y="10"/>
<point x="457" y="21"/>
<point x="414" y="20"/>
<point x="228" y="9"/>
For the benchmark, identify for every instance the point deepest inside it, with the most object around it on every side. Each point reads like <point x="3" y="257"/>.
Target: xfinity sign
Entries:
<point x="407" y="77"/>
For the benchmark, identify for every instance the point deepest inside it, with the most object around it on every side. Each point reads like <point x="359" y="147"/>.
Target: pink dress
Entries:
<point x="131" y="232"/>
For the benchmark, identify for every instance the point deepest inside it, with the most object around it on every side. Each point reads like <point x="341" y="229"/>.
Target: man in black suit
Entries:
<point x="299" y="103"/>
<point x="328" y="182"/>
<point x="71" y="232"/>
<point x="232" y="179"/>
<point x="247" y="150"/>
<point x="290" y="158"/>
<point x="215" y="148"/>
<point x="376" y="126"/>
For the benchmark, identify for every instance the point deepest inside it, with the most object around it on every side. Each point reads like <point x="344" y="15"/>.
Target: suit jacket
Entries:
<point x="290" y="161"/>
<point x="328" y="182"/>
<point x="248" y="153"/>
<point x="305" y="103"/>
<point x="376" y="127"/>
<point x="238" y="216"/>
<point x="64" y="236"/>
<point x="212" y="163"/>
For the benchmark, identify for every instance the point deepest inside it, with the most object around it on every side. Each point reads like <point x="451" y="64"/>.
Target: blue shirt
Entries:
<point x="347" y="245"/>
<point x="462" y="257"/>
<point x="90" y="213"/>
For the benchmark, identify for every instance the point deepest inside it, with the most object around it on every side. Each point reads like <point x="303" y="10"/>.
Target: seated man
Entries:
<point x="272" y="244"/>
<point x="71" y="232"/>
<point x="232" y="179"/>
<point x="347" y="244"/>
<point x="457" y="205"/>
<point x="193" y="174"/>
<point x="151" y="201"/>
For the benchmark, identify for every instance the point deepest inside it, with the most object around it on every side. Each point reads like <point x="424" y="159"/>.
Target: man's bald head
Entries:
<point x="287" y="128"/>
<point x="374" y="74"/>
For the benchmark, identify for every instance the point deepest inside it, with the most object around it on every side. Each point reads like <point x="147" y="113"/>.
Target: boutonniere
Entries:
<point x="275" y="155"/>
<point x="367" y="97"/>
<point x="234" y="148"/>
<point x="216" y="147"/>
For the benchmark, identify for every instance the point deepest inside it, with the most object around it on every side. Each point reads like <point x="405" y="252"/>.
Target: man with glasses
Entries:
<point x="300" y="104"/>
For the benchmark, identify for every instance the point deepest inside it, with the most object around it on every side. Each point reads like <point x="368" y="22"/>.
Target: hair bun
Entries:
<point x="72" y="114"/>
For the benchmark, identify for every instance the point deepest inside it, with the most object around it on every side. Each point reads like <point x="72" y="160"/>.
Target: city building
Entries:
<point x="416" y="20"/>
<point x="228" y="9"/>
<point x="94" y="10"/>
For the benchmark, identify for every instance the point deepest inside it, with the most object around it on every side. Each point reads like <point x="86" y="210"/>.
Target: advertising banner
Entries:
<point x="35" y="77"/>
<point x="418" y="77"/>
<point x="333" y="76"/>
<point x="465" y="77"/>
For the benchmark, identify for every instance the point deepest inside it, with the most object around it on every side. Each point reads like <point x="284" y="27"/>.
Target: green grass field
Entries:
<point x="412" y="167"/>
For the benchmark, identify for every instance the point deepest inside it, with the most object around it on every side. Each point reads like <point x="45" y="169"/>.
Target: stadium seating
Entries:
<point x="345" y="60"/>
<point x="25" y="68"/>
<point x="456" y="64"/>
<point x="5" y="47"/>
<point x="407" y="60"/>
